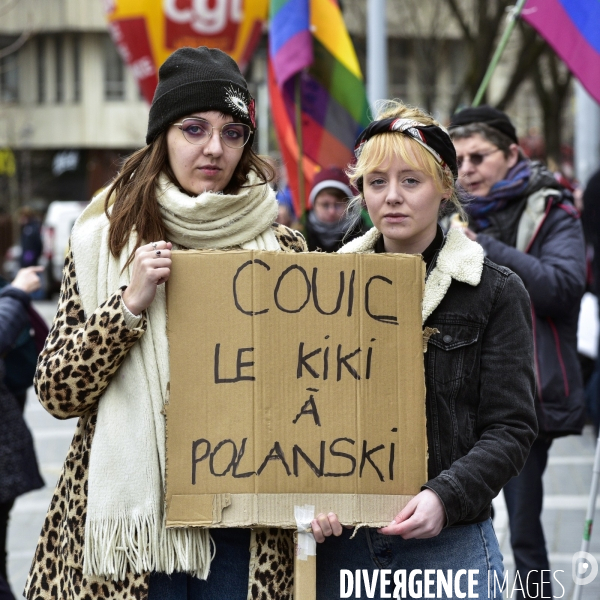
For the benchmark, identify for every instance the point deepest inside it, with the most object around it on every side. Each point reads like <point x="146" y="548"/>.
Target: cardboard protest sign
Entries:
<point x="295" y="379"/>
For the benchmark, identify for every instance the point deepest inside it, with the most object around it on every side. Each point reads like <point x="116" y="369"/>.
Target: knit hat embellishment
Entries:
<point x="234" y="100"/>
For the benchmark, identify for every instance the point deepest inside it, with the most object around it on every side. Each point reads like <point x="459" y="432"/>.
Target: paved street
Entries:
<point x="567" y="483"/>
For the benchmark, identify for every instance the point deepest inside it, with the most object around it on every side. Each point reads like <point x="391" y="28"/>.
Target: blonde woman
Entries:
<point x="478" y="367"/>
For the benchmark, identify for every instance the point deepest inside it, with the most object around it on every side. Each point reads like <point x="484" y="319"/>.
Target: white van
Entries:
<point x="56" y="229"/>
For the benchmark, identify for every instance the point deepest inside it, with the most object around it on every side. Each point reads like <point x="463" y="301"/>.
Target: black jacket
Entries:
<point x="553" y="270"/>
<point x="480" y="387"/>
<point x="13" y="316"/>
<point x="18" y="466"/>
<point x="591" y="224"/>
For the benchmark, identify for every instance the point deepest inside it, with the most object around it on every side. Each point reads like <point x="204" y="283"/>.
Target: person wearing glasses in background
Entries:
<point x="526" y="221"/>
<point x="196" y="184"/>
<point x="327" y="225"/>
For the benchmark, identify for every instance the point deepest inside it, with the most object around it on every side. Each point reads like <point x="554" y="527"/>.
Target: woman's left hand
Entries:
<point x="423" y="517"/>
<point x="325" y="525"/>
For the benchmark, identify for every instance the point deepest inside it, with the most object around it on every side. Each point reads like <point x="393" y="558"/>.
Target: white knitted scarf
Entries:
<point x="125" y="526"/>
<point x="218" y="220"/>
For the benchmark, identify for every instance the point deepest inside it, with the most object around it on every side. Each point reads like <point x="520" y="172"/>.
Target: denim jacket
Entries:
<point x="479" y="375"/>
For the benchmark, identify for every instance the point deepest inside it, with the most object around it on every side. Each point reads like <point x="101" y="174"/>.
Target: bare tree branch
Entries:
<point x="502" y="10"/>
<point x="552" y="92"/>
<point x="481" y="23"/>
<point x="428" y="44"/>
<point x="489" y="18"/>
<point x="460" y="18"/>
<point x="531" y="48"/>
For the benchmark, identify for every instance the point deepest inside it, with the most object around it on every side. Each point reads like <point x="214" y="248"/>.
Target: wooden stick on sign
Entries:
<point x="305" y="575"/>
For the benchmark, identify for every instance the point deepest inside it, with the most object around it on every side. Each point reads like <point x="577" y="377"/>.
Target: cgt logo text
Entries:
<point x="432" y="583"/>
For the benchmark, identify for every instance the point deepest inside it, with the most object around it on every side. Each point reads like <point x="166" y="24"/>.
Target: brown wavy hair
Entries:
<point x="134" y="190"/>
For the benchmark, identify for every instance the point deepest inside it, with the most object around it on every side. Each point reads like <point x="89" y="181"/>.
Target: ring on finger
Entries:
<point x="157" y="252"/>
<point x="154" y="244"/>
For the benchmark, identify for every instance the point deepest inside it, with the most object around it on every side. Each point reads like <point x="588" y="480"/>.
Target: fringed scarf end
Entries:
<point x="116" y="547"/>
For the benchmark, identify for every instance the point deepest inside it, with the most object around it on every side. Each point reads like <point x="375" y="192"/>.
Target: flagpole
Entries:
<point x="298" y="103"/>
<point x="377" y="52"/>
<point x="512" y="21"/>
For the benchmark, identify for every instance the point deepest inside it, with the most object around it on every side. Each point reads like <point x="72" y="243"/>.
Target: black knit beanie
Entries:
<point x="199" y="79"/>
<point x="485" y="114"/>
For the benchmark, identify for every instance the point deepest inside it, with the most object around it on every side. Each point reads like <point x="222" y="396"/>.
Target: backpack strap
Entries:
<point x="570" y="209"/>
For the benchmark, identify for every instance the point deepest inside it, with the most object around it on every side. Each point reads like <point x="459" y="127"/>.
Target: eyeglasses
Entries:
<point x="198" y="131"/>
<point x="476" y="158"/>
<point x="336" y="206"/>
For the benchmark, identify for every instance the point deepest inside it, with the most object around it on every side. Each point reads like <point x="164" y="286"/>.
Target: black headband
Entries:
<point x="433" y="138"/>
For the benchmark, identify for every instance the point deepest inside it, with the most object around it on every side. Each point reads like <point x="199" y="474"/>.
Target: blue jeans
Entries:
<point x="524" y="496"/>
<point x="228" y="577"/>
<point x="471" y="547"/>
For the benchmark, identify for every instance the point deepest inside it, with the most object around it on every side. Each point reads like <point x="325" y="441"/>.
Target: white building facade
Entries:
<point x="69" y="108"/>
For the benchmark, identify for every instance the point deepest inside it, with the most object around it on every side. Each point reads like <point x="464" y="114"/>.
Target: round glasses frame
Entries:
<point x="209" y="128"/>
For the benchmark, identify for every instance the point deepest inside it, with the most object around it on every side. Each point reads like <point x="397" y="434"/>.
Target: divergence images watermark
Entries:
<point x="463" y="583"/>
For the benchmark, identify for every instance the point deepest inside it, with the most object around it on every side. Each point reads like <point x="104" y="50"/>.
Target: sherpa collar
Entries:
<point x="460" y="258"/>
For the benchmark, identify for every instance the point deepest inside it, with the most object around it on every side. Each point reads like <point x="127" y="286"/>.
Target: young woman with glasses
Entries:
<point x="196" y="184"/>
<point x="478" y="371"/>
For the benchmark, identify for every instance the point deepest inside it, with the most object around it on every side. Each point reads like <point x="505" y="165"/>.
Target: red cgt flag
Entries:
<point x="148" y="31"/>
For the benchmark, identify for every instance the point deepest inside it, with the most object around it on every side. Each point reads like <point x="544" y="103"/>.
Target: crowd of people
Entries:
<point x="505" y="259"/>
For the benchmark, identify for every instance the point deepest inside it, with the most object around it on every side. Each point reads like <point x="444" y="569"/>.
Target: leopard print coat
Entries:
<point x="81" y="355"/>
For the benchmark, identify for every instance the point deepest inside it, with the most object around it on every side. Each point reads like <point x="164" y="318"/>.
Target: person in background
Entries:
<point x="591" y="226"/>
<point x="6" y="239"/>
<point x="525" y="220"/>
<point x="287" y="212"/>
<point x="284" y="214"/>
<point x="31" y="242"/>
<point x="31" y="237"/>
<point x="327" y="225"/>
<point x="18" y="466"/>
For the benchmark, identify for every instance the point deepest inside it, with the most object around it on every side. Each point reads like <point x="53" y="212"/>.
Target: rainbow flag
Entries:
<point x="572" y="28"/>
<point x="314" y="50"/>
<point x="290" y="44"/>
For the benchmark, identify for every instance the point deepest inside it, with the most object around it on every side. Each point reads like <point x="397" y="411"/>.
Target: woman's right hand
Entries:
<point x="151" y="267"/>
<point x="326" y="525"/>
